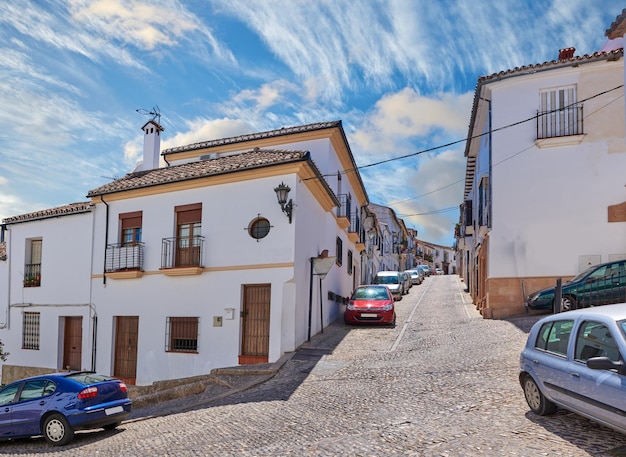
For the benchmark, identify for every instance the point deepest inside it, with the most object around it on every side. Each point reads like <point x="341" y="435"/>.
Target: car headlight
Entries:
<point x="350" y="306"/>
<point x="387" y="307"/>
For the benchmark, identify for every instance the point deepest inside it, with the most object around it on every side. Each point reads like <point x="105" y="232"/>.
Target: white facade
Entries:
<point x="538" y="197"/>
<point x="58" y="289"/>
<point x="133" y="302"/>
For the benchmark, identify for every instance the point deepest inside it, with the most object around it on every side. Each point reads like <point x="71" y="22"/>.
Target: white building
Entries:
<point x="174" y="271"/>
<point x="544" y="190"/>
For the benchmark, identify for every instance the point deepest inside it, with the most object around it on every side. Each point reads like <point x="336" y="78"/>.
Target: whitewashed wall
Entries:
<point x="550" y="204"/>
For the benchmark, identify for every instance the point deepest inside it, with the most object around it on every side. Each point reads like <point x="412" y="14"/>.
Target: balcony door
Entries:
<point x="188" y="231"/>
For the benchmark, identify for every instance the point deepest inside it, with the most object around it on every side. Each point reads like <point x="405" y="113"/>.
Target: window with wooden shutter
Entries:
<point x="182" y="334"/>
<point x="130" y="224"/>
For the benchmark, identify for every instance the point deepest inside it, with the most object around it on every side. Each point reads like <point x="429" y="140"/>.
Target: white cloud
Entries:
<point x="202" y="129"/>
<point x="401" y="120"/>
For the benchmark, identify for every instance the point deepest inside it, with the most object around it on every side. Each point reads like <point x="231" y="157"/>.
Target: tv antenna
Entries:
<point x="155" y="113"/>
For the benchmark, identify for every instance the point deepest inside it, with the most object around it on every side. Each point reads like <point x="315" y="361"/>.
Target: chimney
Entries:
<point x="151" y="145"/>
<point x="566" y="53"/>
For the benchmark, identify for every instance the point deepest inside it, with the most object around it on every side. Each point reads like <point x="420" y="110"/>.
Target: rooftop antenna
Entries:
<point x="155" y="113"/>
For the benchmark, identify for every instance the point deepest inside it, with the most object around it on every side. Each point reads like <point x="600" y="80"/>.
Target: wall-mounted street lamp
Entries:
<point x="282" y="192"/>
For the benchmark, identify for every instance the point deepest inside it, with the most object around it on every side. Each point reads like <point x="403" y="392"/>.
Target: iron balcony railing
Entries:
<point x="343" y="210"/>
<point x="177" y="252"/>
<point x="563" y="122"/>
<point x="124" y="256"/>
<point x="32" y="275"/>
<point x="355" y="223"/>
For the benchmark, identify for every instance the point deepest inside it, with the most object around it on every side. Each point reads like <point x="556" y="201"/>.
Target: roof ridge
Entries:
<point x="253" y="136"/>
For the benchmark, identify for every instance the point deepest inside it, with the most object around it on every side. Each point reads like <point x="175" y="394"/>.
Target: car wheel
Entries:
<point x="57" y="430"/>
<point x="536" y="400"/>
<point x="568" y="302"/>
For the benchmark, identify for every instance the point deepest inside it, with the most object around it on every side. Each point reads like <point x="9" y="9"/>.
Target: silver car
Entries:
<point x="576" y="360"/>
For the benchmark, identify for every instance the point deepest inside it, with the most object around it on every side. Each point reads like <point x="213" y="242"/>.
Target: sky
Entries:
<point x="79" y="77"/>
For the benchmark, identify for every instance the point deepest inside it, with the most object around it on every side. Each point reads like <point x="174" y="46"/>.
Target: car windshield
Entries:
<point x="622" y="327"/>
<point x="580" y="276"/>
<point x="388" y="279"/>
<point x="370" y="293"/>
<point x="89" y="378"/>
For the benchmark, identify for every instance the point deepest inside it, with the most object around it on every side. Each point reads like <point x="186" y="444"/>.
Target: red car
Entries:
<point x="371" y="304"/>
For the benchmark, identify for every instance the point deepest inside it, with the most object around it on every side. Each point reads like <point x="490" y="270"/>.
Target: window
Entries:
<point x="30" y="330"/>
<point x="339" y="249"/>
<point x="483" y="200"/>
<point x="554" y="336"/>
<point x="259" y="228"/>
<point x="32" y="270"/>
<point x="37" y="389"/>
<point x="130" y="224"/>
<point x="595" y="340"/>
<point x="181" y="334"/>
<point x="349" y="262"/>
<point x="559" y="114"/>
<point x="188" y="242"/>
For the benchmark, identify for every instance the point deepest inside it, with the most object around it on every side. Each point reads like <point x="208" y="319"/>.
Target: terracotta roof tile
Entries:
<point x="71" y="208"/>
<point x="253" y="136"/>
<point x="618" y="27"/>
<point x="256" y="158"/>
<point x="553" y="63"/>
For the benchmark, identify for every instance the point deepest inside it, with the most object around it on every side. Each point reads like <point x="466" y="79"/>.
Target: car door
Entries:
<point x="599" y="394"/>
<point x="7" y="398"/>
<point x="31" y="402"/>
<point x="549" y="357"/>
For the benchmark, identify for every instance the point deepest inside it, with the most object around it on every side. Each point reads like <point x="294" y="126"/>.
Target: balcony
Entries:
<point x="182" y="255"/>
<point x="344" y="210"/>
<point x="124" y="260"/>
<point x="354" y="229"/>
<point x="560" y="127"/>
<point x="32" y="275"/>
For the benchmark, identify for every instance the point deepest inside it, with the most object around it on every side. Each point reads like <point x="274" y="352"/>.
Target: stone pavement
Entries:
<point x="443" y="382"/>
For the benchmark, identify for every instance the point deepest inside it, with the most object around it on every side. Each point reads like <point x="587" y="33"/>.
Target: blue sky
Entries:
<point x="399" y="74"/>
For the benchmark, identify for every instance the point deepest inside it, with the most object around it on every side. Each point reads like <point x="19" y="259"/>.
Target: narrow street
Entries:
<point x="443" y="382"/>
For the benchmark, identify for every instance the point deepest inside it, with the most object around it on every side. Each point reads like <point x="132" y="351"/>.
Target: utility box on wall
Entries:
<point x="217" y="321"/>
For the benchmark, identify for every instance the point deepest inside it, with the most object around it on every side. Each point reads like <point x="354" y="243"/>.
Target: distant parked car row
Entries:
<point x="374" y="303"/>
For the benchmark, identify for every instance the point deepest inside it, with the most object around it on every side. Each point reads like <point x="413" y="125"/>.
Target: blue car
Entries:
<point x="55" y="405"/>
<point x="575" y="360"/>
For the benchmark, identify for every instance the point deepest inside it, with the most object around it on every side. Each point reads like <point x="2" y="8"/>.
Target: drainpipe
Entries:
<point x="3" y="230"/>
<point x="106" y="241"/>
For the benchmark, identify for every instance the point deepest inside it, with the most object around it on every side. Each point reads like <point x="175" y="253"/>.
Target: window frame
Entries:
<point x="31" y="330"/>
<point x="182" y="328"/>
<point x="339" y="251"/>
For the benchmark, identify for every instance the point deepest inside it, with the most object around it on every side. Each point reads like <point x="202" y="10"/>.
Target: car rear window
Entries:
<point x="554" y="336"/>
<point x="89" y="378"/>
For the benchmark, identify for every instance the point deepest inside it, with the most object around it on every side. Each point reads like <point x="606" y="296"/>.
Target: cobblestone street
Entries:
<point x="443" y="382"/>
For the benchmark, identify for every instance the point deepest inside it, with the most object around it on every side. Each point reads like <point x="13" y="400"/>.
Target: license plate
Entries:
<point x="115" y="410"/>
<point x="369" y="315"/>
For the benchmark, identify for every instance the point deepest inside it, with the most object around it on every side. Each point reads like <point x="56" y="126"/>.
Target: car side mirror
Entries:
<point x="604" y="363"/>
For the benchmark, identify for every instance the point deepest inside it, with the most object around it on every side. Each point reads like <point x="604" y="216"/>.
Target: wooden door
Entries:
<point x="255" y="326"/>
<point x="126" y="334"/>
<point x="73" y="343"/>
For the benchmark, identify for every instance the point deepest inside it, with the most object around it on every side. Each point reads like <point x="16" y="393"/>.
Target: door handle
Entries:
<point x="575" y="375"/>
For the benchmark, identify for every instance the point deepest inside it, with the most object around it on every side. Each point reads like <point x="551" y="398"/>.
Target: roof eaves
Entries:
<point x="65" y="210"/>
<point x="253" y="136"/>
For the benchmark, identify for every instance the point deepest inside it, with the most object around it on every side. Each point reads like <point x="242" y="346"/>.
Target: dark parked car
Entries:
<point x="370" y="305"/>
<point x="598" y="285"/>
<point x="576" y="360"/>
<point x="55" y="405"/>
